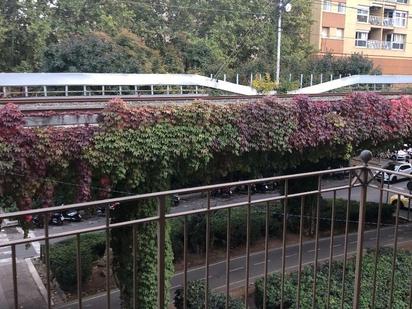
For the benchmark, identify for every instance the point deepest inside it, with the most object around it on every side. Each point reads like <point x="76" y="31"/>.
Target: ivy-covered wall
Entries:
<point x="136" y="150"/>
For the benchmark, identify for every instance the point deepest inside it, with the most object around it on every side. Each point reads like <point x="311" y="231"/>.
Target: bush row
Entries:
<point x="384" y="280"/>
<point x="196" y="224"/>
<point x="196" y="298"/>
<point x="63" y="258"/>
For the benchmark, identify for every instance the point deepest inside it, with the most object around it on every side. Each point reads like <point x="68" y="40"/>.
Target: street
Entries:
<point x="217" y="271"/>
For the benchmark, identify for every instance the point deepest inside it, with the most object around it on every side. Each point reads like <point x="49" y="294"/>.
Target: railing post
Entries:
<point x="161" y="231"/>
<point x="365" y="156"/>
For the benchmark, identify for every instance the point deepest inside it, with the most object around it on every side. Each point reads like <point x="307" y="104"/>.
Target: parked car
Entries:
<point x="400" y="155"/>
<point x="56" y="218"/>
<point x="403" y="202"/>
<point x="401" y="167"/>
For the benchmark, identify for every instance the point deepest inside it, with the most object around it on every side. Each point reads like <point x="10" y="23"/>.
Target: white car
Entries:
<point x="401" y="167"/>
<point x="400" y="155"/>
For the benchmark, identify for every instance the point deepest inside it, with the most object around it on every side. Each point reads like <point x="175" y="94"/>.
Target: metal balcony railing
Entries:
<point x="362" y="178"/>
<point x="375" y="44"/>
<point x="379" y="21"/>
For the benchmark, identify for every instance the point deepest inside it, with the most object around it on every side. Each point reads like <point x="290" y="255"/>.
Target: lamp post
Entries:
<point x="283" y="6"/>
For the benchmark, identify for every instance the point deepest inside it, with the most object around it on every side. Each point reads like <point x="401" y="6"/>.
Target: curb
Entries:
<point x="37" y="280"/>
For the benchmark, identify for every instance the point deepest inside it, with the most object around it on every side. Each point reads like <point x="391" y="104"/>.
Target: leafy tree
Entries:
<point x="24" y="29"/>
<point x="71" y="17"/>
<point x="98" y="52"/>
<point x="351" y="65"/>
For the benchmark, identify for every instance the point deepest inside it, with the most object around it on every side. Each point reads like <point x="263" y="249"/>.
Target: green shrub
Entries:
<point x="196" y="226"/>
<point x="384" y="276"/>
<point x="196" y="298"/>
<point x="371" y="213"/>
<point x="63" y="258"/>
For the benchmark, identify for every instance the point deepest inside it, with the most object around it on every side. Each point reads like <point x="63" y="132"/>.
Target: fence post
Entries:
<point x="365" y="156"/>
<point x="237" y="79"/>
<point x="311" y="79"/>
<point x="301" y="80"/>
<point x="161" y="241"/>
<point x="251" y="79"/>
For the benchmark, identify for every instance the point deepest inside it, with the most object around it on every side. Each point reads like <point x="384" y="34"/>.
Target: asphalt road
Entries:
<point x="217" y="271"/>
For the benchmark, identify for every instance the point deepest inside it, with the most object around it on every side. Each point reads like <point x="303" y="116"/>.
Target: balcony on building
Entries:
<point x="383" y="17"/>
<point x="385" y="39"/>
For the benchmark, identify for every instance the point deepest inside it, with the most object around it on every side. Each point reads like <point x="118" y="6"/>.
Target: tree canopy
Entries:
<point x="206" y="37"/>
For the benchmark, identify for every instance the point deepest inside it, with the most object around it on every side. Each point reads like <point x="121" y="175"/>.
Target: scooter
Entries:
<point x="175" y="199"/>
<point x="55" y="219"/>
<point x="72" y="215"/>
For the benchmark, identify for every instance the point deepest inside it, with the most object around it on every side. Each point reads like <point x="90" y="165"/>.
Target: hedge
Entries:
<point x="197" y="229"/>
<point x="196" y="298"/>
<point x="403" y="268"/>
<point x="218" y="223"/>
<point x="63" y="258"/>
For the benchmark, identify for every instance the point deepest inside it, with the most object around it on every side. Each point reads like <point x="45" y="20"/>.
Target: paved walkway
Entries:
<point x="29" y="294"/>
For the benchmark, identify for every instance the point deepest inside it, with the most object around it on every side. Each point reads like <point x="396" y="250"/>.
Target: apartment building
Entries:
<point x="379" y="29"/>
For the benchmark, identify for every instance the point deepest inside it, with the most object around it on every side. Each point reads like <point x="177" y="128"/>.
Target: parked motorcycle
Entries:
<point x="175" y="199"/>
<point x="56" y="218"/>
<point x="101" y="210"/>
<point x="72" y="215"/>
<point x="222" y="192"/>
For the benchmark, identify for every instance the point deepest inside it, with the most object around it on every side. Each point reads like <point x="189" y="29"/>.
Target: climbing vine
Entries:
<point x="151" y="148"/>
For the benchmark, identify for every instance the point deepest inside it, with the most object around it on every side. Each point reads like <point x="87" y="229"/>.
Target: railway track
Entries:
<point x="97" y="103"/>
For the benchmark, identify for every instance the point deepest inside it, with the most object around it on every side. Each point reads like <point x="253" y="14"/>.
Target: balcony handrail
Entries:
<point x="361" y="176"/>
<point x="146" y="196"/>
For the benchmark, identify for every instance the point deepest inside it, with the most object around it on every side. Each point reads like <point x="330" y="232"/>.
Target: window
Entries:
<point x="398" y="41"/>
<point x="327" y="5"/>
<point x="363" y="14"/>
<point x="361" y="39"/>
<point x="341" y="7"/>
<point x="339" y="33"/>
<point x="325" y="32"/>
<point x="399" y="19"/>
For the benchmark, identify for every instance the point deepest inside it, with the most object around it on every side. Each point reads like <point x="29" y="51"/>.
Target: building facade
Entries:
<point x="379" y="29"/>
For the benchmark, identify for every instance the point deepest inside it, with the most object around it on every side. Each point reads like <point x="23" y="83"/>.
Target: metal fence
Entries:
<point x="361" y="178"/>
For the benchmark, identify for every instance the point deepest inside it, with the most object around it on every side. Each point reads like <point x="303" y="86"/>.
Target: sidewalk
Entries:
<point x="28" y="282"/>
<point x="29" y="295"/>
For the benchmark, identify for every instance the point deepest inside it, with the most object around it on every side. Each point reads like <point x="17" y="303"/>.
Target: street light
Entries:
<point x="283" y="6"/>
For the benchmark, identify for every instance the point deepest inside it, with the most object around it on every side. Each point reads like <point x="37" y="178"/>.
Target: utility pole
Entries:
<point x="283" y="6"/>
